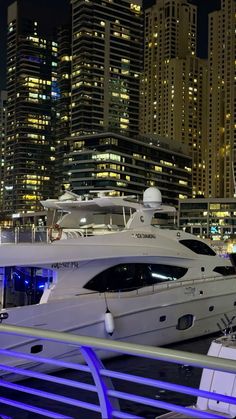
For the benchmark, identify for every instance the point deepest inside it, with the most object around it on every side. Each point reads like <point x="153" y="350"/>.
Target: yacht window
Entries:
<point x="225" y="270"/>
<point x="185" y="322"/>
<point x="162" y="273"/>
<point x="198" y="247"/>
<point x="128" y="277"/>
<point x="24" y="285"/>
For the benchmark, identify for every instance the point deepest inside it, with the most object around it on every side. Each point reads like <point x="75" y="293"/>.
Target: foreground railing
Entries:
<point x="107" y="402"/>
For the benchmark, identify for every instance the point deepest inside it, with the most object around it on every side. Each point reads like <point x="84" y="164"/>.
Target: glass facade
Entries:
<point x="31" y="87"/>
<point x="125" y="165"/>
<point x="107" y="50"/>
<point x="209" y="218"/>
<point x="3" y="120"/>
<point x="63" y="103"/>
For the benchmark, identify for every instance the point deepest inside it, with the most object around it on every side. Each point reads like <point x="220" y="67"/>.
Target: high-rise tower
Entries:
<point x="29" y="150"/>
<point x="174" y="85"/>
<point x="3" y="119"/>
<point x="63" y="103"/>
<point x="221" y="162"/>
<point x="106" y="65"/>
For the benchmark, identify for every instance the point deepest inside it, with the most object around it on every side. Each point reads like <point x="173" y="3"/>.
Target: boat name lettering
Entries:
<point x="143" y="236"/>
<point x="65" y="265"/>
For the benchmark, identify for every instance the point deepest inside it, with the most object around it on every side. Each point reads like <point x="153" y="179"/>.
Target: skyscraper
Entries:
<point x="63" y="103"/>
<point x="3" y="119"/>
<point x="106" y="65"/>
<point x="174" y="86"/>
<point x="221" y="154"/>
<point x="29" y="149"/>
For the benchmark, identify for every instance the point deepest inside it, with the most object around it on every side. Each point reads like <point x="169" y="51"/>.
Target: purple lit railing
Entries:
<point x="107" y="397"/>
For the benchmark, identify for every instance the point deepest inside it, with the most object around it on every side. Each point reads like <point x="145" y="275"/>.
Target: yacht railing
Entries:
<point x="44" y="234"/>
<point x="161" y="287"/>
<point x="25" y="234"/>
<point x="109" y="398"/>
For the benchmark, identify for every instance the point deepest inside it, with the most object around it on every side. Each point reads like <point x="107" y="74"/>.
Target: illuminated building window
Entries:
<point x="78" y="144"/>
<point x="166" y="163"/>
<point x="136" y="8"/>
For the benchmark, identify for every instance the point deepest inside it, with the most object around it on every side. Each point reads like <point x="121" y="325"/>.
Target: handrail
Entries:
<point x="29" y="234"/>
<point x="24" y="234"/>
<point x="127" y="348"/>
<point x="108" y="396"/>
<point x="163" y="286"/>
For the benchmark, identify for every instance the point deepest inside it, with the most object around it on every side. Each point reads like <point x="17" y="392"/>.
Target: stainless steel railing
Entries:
<point x="28" y="234"/>
<point x="108" y="397"/>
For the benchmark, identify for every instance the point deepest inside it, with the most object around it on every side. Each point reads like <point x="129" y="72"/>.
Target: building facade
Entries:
<point x="174" y="85"/>
<point x="3" y="122"/>
<point x="63" y="103"/>
<point x="29" y="146"/>
<point x="221" y="155"/>
<point x="110" y="161"/>
<point x="210" y="218"/>
<point x="107" y="50"/>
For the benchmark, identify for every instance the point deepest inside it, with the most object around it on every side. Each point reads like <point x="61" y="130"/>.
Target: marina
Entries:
<point x="117" y="209"/>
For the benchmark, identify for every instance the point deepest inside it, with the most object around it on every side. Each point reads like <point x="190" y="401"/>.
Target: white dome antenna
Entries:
<point x="152" y="198"/>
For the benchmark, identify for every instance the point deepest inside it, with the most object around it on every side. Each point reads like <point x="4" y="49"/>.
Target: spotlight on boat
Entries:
<point x="152" y="198"/>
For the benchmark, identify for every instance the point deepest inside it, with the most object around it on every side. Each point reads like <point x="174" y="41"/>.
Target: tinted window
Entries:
<point x="198" y="247"/>
<point x="225" y="270"/>
<point x="185" y="322"/>
<point x="162" y="273"/>
<point x="127" y="277"/>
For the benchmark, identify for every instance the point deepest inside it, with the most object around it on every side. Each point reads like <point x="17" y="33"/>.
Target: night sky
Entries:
<point x="56" y="14"/>
<point x="52" y="12"/>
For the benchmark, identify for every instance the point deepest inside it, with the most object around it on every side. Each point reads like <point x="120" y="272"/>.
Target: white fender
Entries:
<point x="109" y="322"/>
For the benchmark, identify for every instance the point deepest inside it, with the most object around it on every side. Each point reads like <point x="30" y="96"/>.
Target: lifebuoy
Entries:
<point x="58" y="230"/>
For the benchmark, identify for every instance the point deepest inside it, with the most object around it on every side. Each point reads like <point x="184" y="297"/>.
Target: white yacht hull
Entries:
<point x="146" y="316"/>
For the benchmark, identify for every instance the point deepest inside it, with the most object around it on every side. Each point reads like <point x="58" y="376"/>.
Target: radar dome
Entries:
<point x="152" y="198"/>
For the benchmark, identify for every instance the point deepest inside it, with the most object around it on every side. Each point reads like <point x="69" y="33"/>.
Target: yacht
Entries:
<point x="215" y="381"/>
<point x="110" y="268"/>
<point x="218" y="381"/>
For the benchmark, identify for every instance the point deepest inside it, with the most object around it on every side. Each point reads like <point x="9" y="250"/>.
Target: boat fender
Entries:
<point x="109" y="322"/>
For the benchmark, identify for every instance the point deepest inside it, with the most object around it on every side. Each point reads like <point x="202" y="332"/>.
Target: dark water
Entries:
<point x="183" y="375"/>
